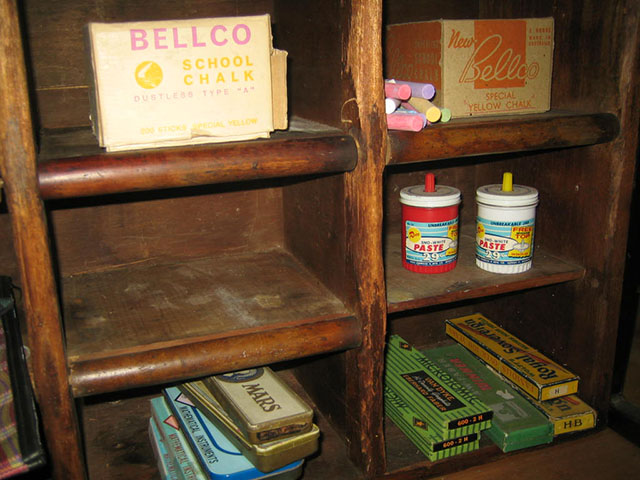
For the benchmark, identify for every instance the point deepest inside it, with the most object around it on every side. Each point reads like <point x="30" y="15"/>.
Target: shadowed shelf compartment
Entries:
<point x="118" y="445"/>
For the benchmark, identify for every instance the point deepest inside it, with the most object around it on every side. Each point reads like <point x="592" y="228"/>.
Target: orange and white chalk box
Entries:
<point x="478" y="67"/>
<point x="182" y="82"/>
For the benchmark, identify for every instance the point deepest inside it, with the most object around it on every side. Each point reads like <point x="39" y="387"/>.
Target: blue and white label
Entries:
<point x="504" y="243"/>
<point x="431" y="244"/>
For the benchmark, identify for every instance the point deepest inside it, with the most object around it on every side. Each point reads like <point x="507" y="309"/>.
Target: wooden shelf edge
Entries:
<point x="408" y="290"/>
<point x="503" y="134"/>
<point x="599" y="453"/>
<point x="458" y="463"/>
<point x="180" y="360"/>
<point x="286" y="156"/>
<point x="414" y="465"/>
<point x="485" y="291"/>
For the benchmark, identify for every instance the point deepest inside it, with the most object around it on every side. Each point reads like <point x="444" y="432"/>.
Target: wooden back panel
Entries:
<point x="161" y="227"/>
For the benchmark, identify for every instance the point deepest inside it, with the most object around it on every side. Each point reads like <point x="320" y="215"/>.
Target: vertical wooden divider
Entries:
<point x="45" y="336"/>
<point x="364" y="111"/>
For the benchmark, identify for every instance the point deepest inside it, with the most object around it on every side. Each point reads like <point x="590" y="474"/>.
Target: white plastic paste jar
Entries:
<point x="505" y="226"/>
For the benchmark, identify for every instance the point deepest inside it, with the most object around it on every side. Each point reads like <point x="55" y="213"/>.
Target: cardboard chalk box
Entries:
<point x="183" y="82"/>
<point x="478" y="67"/>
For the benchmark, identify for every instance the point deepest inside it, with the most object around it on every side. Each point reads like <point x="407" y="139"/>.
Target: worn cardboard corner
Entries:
<point x="279" y="89"/>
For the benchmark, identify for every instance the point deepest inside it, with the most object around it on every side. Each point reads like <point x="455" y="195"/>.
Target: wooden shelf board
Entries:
<point x="72" y="165"/>
<point x="118" y="445"/>
<point x="502" y="134"/>
<point x="407" y="290"/>
<point x="147" y="324"/>
<point x="592" y="455"/>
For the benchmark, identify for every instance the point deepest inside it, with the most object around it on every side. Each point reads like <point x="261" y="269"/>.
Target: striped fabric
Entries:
<point x="10" y="458"/>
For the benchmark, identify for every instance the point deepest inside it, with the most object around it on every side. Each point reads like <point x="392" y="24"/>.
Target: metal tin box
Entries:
<point x="200" y="450"/>
<point x="266" y="456"/>
<point x="262" y="406"/>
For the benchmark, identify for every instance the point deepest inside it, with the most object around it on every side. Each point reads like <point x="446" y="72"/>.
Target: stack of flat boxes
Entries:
<point x="243" y="425"/>
<point x="439" y="415"/>
<point x="549" y="387"/>
<point x="516" y="424"/>
<point x="490" y="381"/>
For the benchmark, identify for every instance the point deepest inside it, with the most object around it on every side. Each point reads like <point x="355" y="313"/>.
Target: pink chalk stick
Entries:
<point x="419" y="89"/>
<point x="397" y="90"/>
<point x="405" y="121"/>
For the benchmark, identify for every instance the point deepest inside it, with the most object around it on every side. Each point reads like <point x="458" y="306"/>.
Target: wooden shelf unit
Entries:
<point x="142" y="269"/>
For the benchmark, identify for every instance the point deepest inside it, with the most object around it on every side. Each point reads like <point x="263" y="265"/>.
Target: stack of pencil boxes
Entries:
<point x="548" y="386"/>
<point x="439" y="415"/>
<point x="521" y="398"/>
<point x="240" y="426"/>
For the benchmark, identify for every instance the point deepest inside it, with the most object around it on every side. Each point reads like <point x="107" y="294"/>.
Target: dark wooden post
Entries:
<point x="363" y="189"/>
<point x="45" y="337"/>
